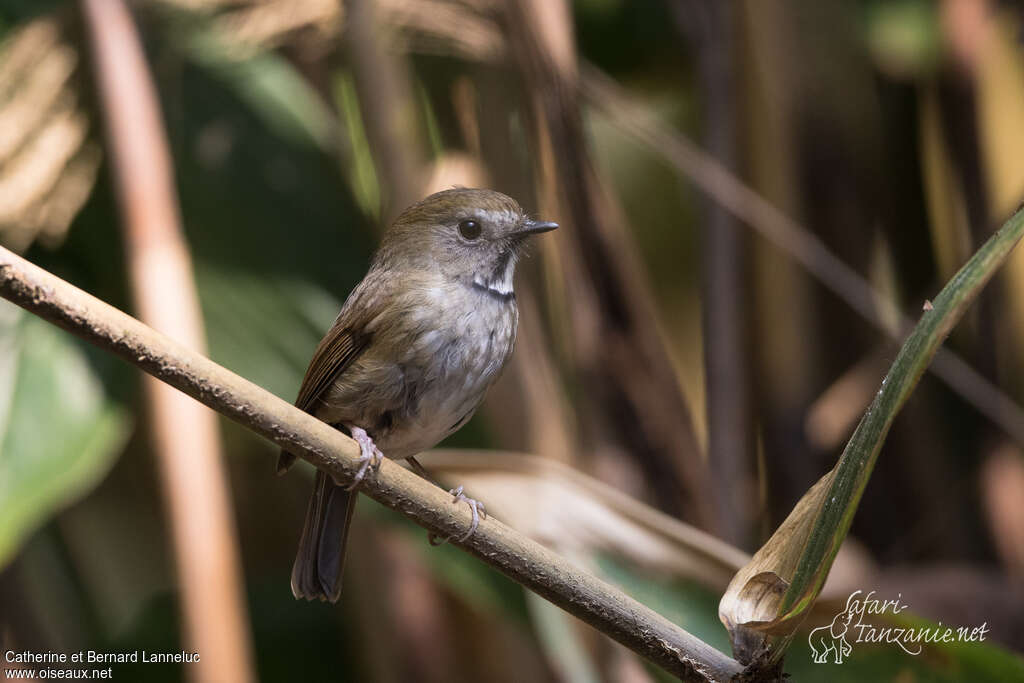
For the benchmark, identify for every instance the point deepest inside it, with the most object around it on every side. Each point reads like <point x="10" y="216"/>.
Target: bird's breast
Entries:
<point x="449" y="360"/>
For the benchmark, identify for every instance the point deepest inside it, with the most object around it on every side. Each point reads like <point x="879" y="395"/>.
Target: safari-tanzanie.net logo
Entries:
<point x="866" y="619"/>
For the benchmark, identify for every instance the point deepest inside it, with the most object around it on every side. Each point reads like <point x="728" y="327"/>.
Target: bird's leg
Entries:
<point x="475" y="506"/>
<point x="370" y="455"/>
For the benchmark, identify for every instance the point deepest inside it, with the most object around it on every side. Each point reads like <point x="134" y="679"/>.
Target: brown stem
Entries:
<point x="185" y="436"/>
<point x="386" y="106"/>
<point x="708" y="28"/>
<point x="618" y="353"/>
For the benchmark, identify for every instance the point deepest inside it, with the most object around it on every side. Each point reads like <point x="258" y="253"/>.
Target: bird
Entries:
<point x="411" y="355"/>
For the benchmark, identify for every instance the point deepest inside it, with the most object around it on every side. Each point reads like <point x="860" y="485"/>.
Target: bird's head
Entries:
<point x="469" y="235"/>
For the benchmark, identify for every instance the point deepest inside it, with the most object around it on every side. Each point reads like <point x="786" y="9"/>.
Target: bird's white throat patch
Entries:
<point x="498" y="283"/>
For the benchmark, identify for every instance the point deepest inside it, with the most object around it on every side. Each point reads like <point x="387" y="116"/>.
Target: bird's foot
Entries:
<point x="370" y="456"/>
<point x="475" y="506"/>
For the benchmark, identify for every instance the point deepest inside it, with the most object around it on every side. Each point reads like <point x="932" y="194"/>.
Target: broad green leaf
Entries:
<point x="266" y="81"/>
<point x="273" y="89"/>
<point x="59" y="433"/>
<point x="768" y="598"/>
<point x="263" y="327"/>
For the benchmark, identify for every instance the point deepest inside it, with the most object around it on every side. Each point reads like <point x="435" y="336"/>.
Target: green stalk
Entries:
<point x="858" y="459"/>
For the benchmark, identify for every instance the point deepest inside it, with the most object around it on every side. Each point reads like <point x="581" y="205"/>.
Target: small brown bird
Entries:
<point x="412" y="353"/>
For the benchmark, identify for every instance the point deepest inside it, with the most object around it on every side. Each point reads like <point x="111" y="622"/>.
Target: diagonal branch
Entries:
<point x="524" y="561"/>
<point x="804" y="247"/>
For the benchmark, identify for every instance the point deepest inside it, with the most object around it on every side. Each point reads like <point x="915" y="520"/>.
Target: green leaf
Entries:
<point x="858" y="459"/>
<point x="266" y="81"/>
<point x="769" y="597"/>
<point x="274" y="90"/>
<point x="362" y="172"/>
<point x="263" y="327"/>
<point x="59" y="433"/>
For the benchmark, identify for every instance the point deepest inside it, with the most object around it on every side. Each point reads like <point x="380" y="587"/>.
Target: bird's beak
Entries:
<point x="536" y="227"/>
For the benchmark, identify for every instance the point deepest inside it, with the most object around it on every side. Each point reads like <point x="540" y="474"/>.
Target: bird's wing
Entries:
<point x="336" y="351"/>
<point x="342" y="344"/>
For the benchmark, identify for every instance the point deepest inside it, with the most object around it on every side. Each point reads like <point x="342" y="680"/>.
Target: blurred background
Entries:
<point x="750" y="193"/>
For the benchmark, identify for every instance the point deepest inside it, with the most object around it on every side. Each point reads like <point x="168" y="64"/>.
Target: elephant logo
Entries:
<point x="832" y="639"/>
<point x="854" y="623"/>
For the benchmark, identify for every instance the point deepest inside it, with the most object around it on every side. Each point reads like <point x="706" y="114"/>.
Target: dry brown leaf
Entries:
<point x="750" y="607"/>
<point x="580" y="516"/>
<point x="47" y="163"/>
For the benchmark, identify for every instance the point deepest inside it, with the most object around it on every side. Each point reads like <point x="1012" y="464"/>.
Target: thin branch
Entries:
<point x="190" y="460"/>
<point x="784" y="232"/>
<point x="605" y="608"/>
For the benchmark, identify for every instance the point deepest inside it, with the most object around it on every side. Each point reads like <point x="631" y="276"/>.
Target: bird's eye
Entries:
<point x="470" y="229"/>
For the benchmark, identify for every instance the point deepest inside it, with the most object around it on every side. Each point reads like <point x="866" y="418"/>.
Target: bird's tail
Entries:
<point x="316" y="574"/>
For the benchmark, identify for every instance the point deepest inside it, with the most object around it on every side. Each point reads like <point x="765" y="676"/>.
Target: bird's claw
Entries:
<point x="476" y="507"/>
<point x="370" y="456"/>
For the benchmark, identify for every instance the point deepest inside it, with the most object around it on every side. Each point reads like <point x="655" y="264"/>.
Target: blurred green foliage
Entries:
<point x="60" y="430"/>
<point x="281" y="204"/>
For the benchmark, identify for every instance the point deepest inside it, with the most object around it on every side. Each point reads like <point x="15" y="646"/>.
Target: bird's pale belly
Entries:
<point x="410" y="403"/>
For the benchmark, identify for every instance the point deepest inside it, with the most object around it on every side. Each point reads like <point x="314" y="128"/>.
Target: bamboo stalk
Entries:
<point x="189" y="459"/>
